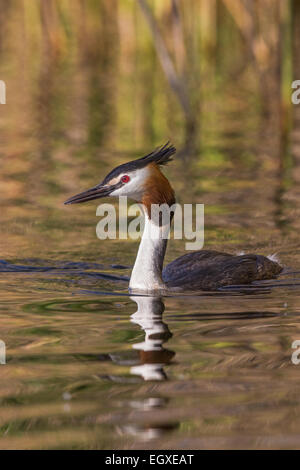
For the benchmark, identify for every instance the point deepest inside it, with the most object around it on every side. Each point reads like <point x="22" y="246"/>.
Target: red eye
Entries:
<point x="125" y="179"/>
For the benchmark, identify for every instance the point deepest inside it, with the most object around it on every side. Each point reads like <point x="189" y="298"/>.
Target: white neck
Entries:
<point x="147" y="271"/>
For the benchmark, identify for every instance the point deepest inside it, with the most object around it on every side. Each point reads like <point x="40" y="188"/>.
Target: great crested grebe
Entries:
<point x="143" y="181"/>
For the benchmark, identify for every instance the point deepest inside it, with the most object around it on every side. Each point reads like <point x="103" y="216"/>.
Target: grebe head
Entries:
<point x="139" y="179"/>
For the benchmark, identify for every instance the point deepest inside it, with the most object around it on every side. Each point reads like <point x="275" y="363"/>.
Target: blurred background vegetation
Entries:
<point x="129" y="73"/>
<point x="93" y="83"/>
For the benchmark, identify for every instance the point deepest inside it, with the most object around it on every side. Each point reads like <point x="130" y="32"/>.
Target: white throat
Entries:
<point x="147" y="271"/>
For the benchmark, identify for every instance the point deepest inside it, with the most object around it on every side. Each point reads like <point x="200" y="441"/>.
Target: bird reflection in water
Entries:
<point x="148" y="358"/>
<point x="152" y="354"/>
<point x="153" y="357"/>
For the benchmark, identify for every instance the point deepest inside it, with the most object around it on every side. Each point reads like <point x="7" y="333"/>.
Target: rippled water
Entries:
<point x="88" y="366"/>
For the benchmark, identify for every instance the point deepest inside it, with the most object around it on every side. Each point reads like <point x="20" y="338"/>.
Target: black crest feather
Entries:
<point x="160" y="156"/>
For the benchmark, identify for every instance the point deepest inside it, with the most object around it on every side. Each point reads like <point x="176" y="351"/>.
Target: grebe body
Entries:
<point x="143" y="181"/>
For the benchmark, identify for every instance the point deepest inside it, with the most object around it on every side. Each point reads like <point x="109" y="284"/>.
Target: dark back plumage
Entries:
<point x="160" y="156"/>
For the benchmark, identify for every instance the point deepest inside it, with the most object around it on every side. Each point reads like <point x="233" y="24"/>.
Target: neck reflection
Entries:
<point x="152" y="354"/>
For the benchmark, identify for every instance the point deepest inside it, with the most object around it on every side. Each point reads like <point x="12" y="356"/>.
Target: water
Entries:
<point x="84" y="370"/>
<point x="88" y="366"/>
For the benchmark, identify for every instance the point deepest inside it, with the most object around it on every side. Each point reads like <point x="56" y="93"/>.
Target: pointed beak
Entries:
<point x="96" y="192"/>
